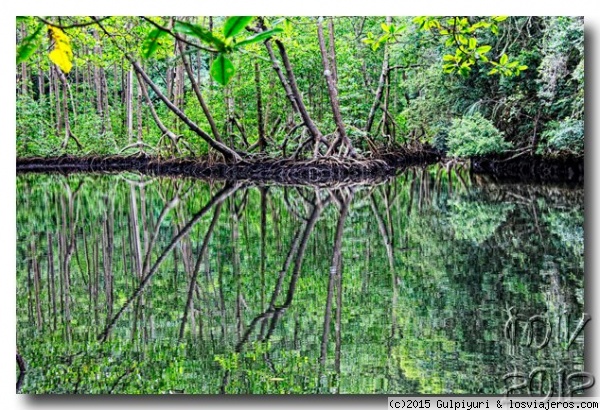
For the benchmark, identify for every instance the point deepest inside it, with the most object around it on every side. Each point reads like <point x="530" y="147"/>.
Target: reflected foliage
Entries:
<point x="136" y="284"/>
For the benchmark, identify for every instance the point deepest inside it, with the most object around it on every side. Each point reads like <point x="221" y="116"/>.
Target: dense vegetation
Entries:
<point x="299" y="87"/>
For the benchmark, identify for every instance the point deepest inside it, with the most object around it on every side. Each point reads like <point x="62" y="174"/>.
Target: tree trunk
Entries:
<point x="332" y="90"/>
<point x="97" y="80"/>
<point x="164" y="130"/>
<point x="312" y="128"/>
<point x="129" y="106"/>
<point x="228" y="153"/>
<point x="262" y="143"/>
<point x="139" y="110"/>
<point x="59" y="120"/>
<point x="40" y="84"/>
<point x="382" y="76"/>
<point x="196" y="88"/>
<point x="332" y="59"/>
<point x="65" y="110"/>
<point x="286" y="86"/>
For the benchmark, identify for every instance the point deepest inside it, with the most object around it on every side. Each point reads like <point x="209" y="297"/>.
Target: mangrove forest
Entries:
<point x="300" y="205"/>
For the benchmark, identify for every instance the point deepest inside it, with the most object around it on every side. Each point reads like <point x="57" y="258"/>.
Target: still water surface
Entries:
<point x="137" y="284"/>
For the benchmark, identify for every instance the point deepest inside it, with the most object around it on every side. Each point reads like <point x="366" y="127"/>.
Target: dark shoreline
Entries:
<point x="323" y="171"/>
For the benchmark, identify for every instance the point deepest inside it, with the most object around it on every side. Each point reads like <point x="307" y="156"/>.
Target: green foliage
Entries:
<point x="462" y="34"/>
<point x="565" y="136"/>
<point x="35" y="134"/>
<point x="153" y="42"/>
<point x="546" y="99"/>
<point x="475" y="221"/>
<point x="222" y="69"/>
<point x="233" y="25"/>
<point x="199" y="32"/>
<point x="30" y="44"/>
<point x="391" y="34"/>
<point x="475" y="135"/>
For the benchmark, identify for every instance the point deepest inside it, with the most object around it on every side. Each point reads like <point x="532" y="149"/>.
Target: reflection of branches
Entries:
<point x="201" y="253"/>
<point x="170" y="205"/>
<point x="218" y="198"/>
<point x="69" y="223"/>
<point x="121" y="377"/>
<point x="22" y="371"/>
<point x="276" y="311"/>
<point x="335" y="273"/>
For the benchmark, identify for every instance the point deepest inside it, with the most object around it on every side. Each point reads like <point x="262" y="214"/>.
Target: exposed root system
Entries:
<point x="324" y="171"/>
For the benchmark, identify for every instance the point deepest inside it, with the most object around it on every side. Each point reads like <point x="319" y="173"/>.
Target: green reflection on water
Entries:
<point x="133" y="284"/>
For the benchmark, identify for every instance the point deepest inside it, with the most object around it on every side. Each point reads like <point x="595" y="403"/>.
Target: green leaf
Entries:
<point x="499" y="18"/>
<point x="493" y="71"/>
<point x="449" y="68"/>
<point x="472" y="42"/>
<point x="523" y="67"/>
<point x="448" y="57"/>
<point x="504" y="59"/>
<point x="385" y="27"/>
<point x="494" y="29"/>
<point x="199" y="32"/>
<point x="265" y="35"/>
<point x="233" y="25"/>
<point x="29" y="44"/>
<point x="222" y="69"/>
<point x="483" y="49"/>
<point x="152" y="42"/>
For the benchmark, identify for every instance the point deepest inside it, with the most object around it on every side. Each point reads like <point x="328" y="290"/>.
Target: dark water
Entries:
<point x="422" y="284"/>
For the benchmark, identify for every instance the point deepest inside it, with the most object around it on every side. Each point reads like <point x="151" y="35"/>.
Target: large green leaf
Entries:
<point x="259" y="37"/>
<point x="222" y="69"/>
<point x="29" y="44"/>
<point x="199" y="32"/>
<point x="235" y="24"/>
<point x="152" y="41"/>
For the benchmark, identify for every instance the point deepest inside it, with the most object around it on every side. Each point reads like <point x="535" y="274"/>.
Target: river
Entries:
<point x="427" y="283"/>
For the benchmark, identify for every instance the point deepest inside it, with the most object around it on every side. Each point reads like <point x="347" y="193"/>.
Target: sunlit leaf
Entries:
<point x="61" y="55"/>
<point x="472" y="42"/>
